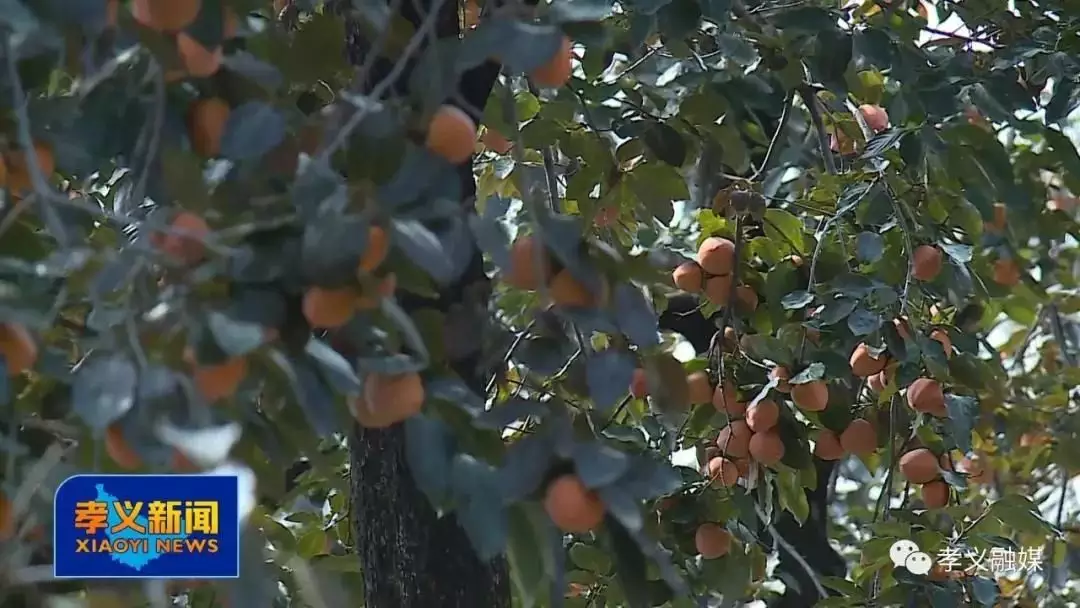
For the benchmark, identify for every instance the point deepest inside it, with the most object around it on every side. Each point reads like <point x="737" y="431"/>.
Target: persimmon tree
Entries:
<point x="424" y="276"/>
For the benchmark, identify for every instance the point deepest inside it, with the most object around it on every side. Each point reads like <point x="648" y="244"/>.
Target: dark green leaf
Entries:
<point x="252" y="130"/>
<point x="869" y="247"/>
<point x="104" y="390"/>
<point x="963" y="414"/>
<point x="862" y="322"/>
<point x="599" y="465"/>
<point x="635" y="316"/>
<point x="609" y="373"/>
<point x="797" y="300"/>
<point x="429" y="450"/>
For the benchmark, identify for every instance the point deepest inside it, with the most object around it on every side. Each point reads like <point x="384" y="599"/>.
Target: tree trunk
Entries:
<point x="412" y="558"/>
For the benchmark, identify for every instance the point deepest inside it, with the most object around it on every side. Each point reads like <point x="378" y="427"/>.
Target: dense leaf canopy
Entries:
<point x="210" y="236"/>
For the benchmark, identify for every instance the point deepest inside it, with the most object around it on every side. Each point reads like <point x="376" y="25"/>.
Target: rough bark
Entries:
<point x="412" y="558"/>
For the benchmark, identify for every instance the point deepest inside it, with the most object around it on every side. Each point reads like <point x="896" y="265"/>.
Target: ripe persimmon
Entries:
<point x="827" y="446"/>
<point x="451" y="134"/>
<point x="1006" y="272"/>
<point x="782" y="376"/>
<point x="718" y="289"/>
<point x="206" y="120"/>
<point x="812" y="396"/>
<point x="926" y="263"/>
<point x="18" y="169"/>
<point x="976" y="469"/>
<point x="198" y="60"/>
<point x="556" y="72"/>
<point x="723" y="472"/>
<point x="999" y="217"/>
<point x="471" y="14"/>
<point x="180" y="463"/>
<point x="919" y="466"/>
<point x="766" y="448"/>
<point x="859" y="438"/>
<point x="230" y="24"/>
<point x="528" y="268"/>
<point x="222" y="379"/>
<point x="639" y="384"/>
<point x="1034" y="439"/>
<point x="119" y="450"/>
<point x="734" y="439"/>
<point x="746" y="298"/>
<point x="18" y="347"/>
<point x="568" y="292"/>
<point x="329" y="308"/>
<point x="184" y="241"/>
<point x="726" y="399"/>
<point x="763" y="416"/>
<point x="378" y="246"/>
<point x="875" y="116"/>
<point x="385" y="290"/>
<point x="699" y="387"/>
<point x="712" y="541"/>
<point x="935" y="494"/>
<point x="878" y="381"/>
<point x="903" y="327"/>
<point x="864" y="363"/>
<point x="688" y="277"/>
<point x="388" y="399"/>
<point x="743" y="466"/>
<point x="495" y="141"/>
<point x="925" y="395"/>
<point x="716" y="255"/>
<point x="165" y="15"/>
<point x="571" y="506"/>
<point x="942" y="337"/>
<point x="7" y="519"/>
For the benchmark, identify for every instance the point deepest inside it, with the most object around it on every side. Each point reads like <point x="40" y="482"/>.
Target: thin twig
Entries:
<point x="780" y="129"/>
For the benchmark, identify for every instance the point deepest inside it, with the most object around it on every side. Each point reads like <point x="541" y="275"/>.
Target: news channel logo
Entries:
<point x="147" y="526"/>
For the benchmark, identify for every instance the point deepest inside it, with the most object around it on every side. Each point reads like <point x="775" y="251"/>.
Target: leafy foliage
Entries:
<point x="208" y="238"/>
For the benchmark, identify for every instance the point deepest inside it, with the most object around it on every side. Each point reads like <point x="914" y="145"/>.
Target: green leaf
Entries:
<point x="630" y="564"/>
<point x="334" y="367"/>
<point x="985" y="591"/>
<point x="666" y="381"/>
<point x="797" y="300"/>
<point x="782" y="226"/>
<point x="599" y="465"/>
<point x="252" y="130"/>
<point x="666" y="143"/>
<point x="429" y="450"/>
<point x="235" y="338"/>
<point x="963" y="414"/>
<point x="863" y="322"/>
<point x="527" y="531"/>
<point x="792" y="497"/>
<point x="635" y="316"/>
<point x="590" y="558"/>
<point x="1019" y="513"/>
<point x="104" y="390"/>
<point x="609" y="374"/>
<point x="814" y="371"/>
<point x="764" y="347"/>
<point x="869" y="247"/>
<point x="311" y="543"/>
<point x="424" y="249"/>
<point x="521" y="47"/>
<point x="485" y="521"/>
